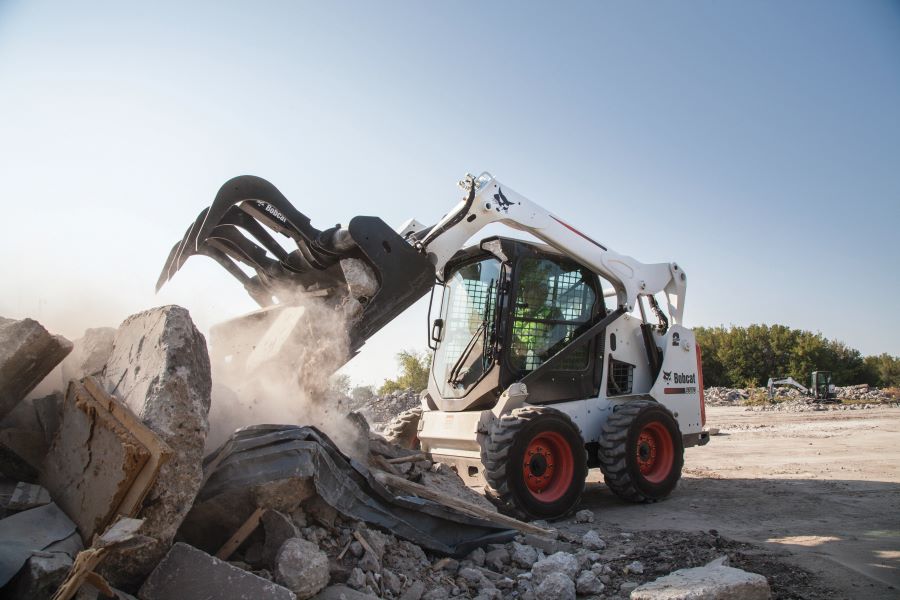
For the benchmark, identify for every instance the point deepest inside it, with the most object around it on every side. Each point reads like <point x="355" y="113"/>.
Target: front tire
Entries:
<point x="535" y="461"/>
<point x="403" y="430"/>
<point x="641" y="451"/>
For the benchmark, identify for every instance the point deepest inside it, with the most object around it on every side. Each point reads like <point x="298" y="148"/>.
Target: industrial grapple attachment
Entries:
<point x="367" y="263"/>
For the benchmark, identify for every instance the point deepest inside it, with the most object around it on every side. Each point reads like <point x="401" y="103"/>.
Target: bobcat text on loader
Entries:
<point x="545" y="362"/>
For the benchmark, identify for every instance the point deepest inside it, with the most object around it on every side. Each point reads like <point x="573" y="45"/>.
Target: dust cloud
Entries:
<point x="274" y="367"/>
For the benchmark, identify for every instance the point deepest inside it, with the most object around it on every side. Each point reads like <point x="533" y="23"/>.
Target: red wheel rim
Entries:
<point x="655" y="452"/>
<point x="548" y="466"/>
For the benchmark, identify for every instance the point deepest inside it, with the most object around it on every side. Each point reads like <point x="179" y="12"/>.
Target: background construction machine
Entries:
<point x="820" y="386"/>
<point x="545" y="362"/>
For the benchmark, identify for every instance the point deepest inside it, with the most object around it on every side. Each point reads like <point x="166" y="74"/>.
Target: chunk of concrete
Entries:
<point x="561" y="562"/>
<point x="302" y="568"/>
<point x="92" y="464"/>
<point x="278" y="528"/>
<point x="28" y="495"/>
<point x="190" y="574"/>
<point x="89" y="354"/>
<point x="705" y="583"/>
<point x="555" y="586"/>
<point x="159" y="367"/>
<point x="42" y="575"/>
<point x="28" y="352"/>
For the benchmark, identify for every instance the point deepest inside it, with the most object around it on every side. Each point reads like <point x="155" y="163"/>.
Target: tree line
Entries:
<point x="748" y="356"/>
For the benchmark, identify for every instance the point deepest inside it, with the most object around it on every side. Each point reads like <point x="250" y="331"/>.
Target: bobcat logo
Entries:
<point x="667" y="376"/>
<point x="501" y="200"/>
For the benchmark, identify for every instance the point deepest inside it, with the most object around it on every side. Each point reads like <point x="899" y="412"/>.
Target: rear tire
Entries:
<point x="535" y="461"/>
<point x="403" y="430"/>
<point x="641" y="451"/>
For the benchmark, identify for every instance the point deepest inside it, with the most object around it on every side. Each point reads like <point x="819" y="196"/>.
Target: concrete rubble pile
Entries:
<point x="856" y="397"/>
<point x="105" y="492"/>
<point x="379" y="410"/>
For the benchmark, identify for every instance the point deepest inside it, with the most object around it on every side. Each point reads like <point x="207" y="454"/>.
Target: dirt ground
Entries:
<point x="821" y="490"/>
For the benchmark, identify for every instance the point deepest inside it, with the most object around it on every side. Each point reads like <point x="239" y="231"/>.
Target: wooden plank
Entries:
<point x="243" y="532"/>
<point x="405" y="459"/>
<point x="462" y="506"/>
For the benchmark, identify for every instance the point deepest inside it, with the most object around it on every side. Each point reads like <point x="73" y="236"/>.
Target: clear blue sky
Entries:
<point x="757" y="144"/>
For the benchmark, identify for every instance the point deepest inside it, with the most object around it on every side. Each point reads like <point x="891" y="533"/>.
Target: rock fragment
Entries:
<point x="588" y="584"/>
<point x="584" y="516"/>
<point x="302" y="568"/>
<point x="523" y="556"/>
<point x="27" y="495"/>
<point x="28" y="352"/>
<point x="555" y="586"/>
<point x="561" y="562"/>
<point x="592" y="540"/>
<point x="190" y="574"/>
<point x="41" y="576"/>
<point x="22" y="454"/>
<point x="706" y="583"/>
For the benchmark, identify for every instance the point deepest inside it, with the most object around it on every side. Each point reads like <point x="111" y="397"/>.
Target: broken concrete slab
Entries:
<point x="705" y="583"/>
<point x="89" y="354"/>
<point x="93" y="462"/>
<point x="159" y="368"/>
<point x="28" y="495"/>
<point x="27" y="532"/>
<point x="28" y="352"/>
<point x="190" y="574"/>
<point x="22" y="454"/>
<point x="302" y="568"/>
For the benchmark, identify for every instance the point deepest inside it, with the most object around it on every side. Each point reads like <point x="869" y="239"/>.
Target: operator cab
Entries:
<point x="506" y="307"/>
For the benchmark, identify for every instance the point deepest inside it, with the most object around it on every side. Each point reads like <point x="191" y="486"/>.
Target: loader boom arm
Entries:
<point x="489" y="201"/>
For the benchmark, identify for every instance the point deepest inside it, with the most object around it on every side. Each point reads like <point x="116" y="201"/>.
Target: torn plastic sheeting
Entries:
<point x="263" y="453"/>
<point x="27" y="532"/>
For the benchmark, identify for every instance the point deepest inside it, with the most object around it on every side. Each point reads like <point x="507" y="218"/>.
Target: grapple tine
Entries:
<point x="229" y="240"/>
<point x="175" y="260"/>
<point x="239" y="218"/>
<point x="253" y="285"/>
<point x="287" y="219"/>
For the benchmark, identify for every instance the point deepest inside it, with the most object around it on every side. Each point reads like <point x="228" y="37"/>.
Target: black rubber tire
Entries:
<point x="618" y="451"/>
<point x="505" y="446"/>
<point x="403" y="430"/>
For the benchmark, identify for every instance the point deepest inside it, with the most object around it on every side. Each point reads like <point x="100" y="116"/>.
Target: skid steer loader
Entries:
<point x="545" y="362"/>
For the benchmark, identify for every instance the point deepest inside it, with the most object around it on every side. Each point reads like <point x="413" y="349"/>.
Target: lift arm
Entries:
<point x="488" y="201"/>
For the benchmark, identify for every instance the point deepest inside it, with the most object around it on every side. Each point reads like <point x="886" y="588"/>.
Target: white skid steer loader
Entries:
<point x="545" y="363"/>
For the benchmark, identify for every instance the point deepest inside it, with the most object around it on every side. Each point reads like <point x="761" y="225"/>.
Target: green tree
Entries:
<point x="882" y="370"/>
<point x="414" y="368"/>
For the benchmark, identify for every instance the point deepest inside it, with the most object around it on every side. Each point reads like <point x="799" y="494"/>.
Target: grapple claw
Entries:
<point x="253" y="206"/>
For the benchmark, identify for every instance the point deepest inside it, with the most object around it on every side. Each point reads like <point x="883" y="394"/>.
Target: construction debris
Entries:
<point x="27" y="495"/>
<point x="711" y="582"/>
<point x="159" y="368"/>
<point x="27" y="354"/>
<point x="190" y="574"/>
<point x="28" y="532"/>
<point x="256" y="457"/>
<point x="96" y="466"/>
<point x="293" y="514"/>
